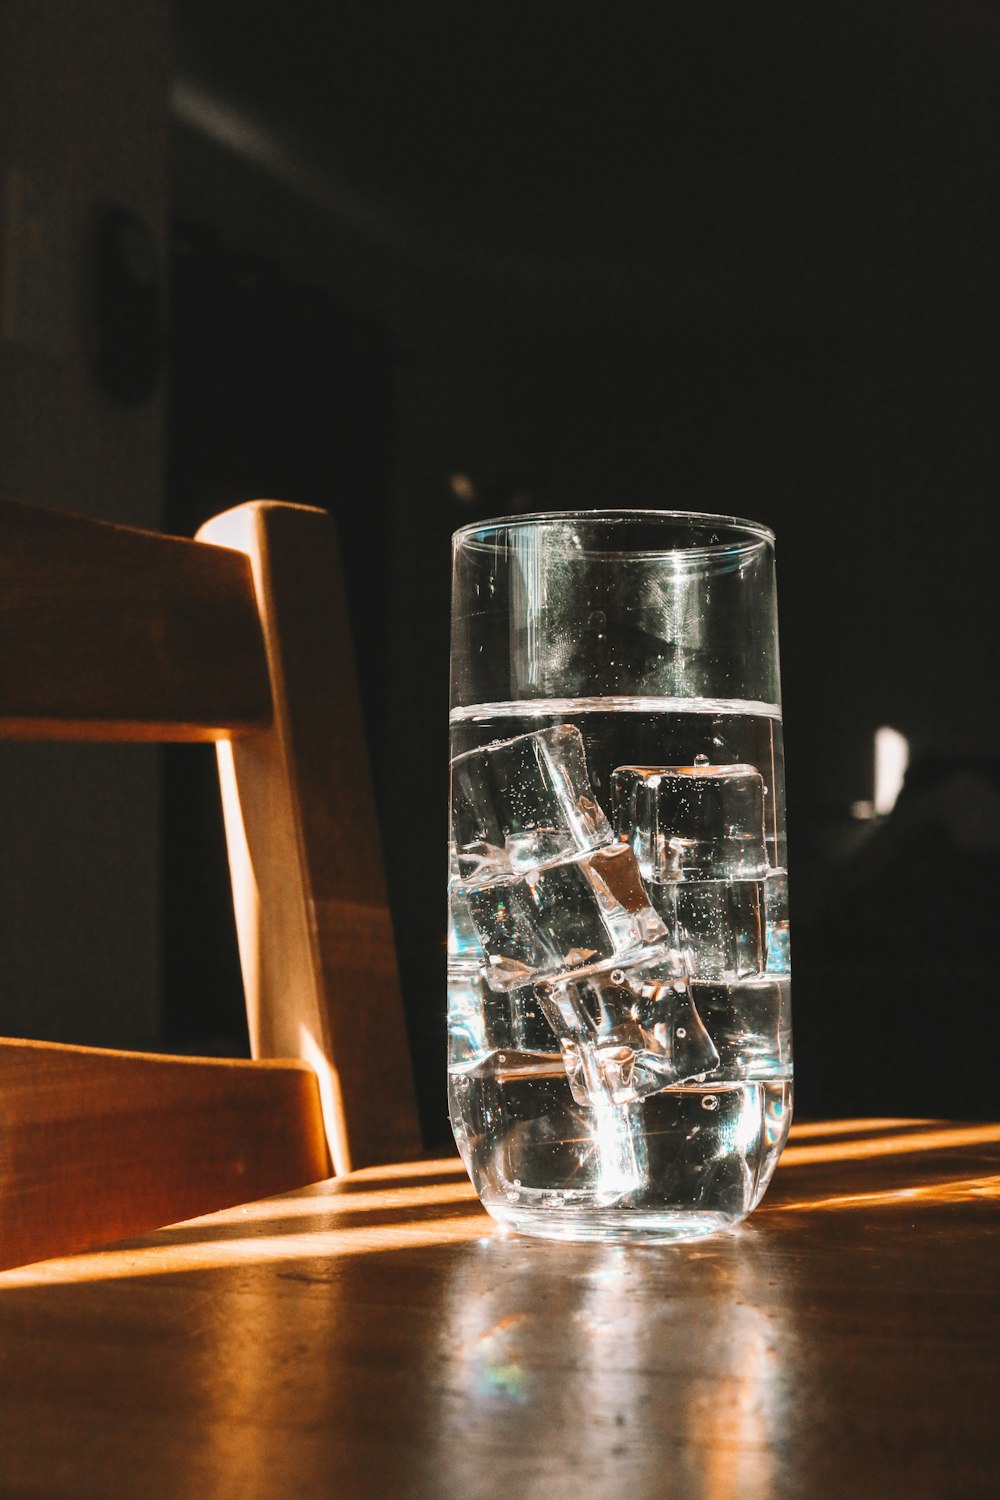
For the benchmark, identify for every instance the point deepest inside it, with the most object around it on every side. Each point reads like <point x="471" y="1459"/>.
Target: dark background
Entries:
<point x="432" y="263"/>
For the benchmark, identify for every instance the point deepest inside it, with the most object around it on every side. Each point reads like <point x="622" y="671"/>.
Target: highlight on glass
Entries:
<point x="618" y="964"/>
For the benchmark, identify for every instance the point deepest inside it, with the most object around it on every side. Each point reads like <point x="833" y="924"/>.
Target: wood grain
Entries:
<point x="312" y="913"/>
<point x="107" y="632"/>
<point x="376" y="1335"/>
<point x="97" y="1143"/>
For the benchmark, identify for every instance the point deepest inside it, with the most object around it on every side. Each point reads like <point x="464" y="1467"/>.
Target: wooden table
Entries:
<point x="378" y="1336"/>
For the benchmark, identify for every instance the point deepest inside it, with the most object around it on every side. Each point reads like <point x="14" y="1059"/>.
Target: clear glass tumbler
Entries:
<point x="618" y="967"/>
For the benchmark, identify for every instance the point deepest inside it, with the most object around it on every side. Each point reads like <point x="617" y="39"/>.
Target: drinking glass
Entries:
<point x="619" y="1023"/>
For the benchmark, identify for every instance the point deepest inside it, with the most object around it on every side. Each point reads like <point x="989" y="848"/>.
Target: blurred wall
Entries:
<point x="741" y="260"/>
<point x="83" y="128"/>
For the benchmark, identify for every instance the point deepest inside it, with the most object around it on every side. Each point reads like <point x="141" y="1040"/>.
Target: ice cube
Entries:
<point x="750" y="1024"/>
<point x="698" y="822"/>
<point x="464" y="948"/>
<point x="776" y="917"/>
<point x="524" y="802"/>
<point x="717" y="923"/>
<point x="597" y="1074"/>
<point x="516" y="946"/>
<point x="466" y="1018"/>
<point x="628" y="1033"/>
<point x="530" y="1030"/>
<point x="482" y="861"/>
<point x="479" y="1019"/>
<point x="590" y="909"/>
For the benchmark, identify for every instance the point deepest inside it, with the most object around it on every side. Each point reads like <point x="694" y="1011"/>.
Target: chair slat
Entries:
<point x="99" y="1145"/>
<point x="110" y="633"/>
<point x="312" y="913"/>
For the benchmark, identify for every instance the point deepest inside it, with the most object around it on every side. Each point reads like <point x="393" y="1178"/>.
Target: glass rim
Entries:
<point x="755" y="529"/>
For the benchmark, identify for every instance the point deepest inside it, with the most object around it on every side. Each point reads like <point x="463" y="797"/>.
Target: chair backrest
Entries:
<point x="239" y="637"/>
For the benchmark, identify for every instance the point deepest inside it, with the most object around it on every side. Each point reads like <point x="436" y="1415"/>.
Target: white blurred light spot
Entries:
<point x="892" y="756"/>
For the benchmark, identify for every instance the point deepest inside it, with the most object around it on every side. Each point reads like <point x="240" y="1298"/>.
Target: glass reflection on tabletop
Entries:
<point x="628" y="1369"/>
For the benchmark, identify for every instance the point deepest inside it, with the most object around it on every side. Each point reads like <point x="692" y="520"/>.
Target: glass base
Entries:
<point x="611" y="1226"/>
<point x="678" y="1165"/>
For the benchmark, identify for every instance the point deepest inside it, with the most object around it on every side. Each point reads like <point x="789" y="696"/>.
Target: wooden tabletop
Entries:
<point x="376" y="1335"/>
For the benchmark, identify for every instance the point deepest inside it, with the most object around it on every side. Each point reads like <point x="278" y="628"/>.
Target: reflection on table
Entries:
<point x="377" y="1334"/>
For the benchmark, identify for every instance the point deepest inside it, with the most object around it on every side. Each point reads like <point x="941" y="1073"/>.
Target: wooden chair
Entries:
<point x="240" y="637"/>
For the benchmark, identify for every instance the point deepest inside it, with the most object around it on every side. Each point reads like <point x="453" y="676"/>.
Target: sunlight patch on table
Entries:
<point x="249" y="1235"/>
<point x="941" y="1139"/>
<point x="959" y="1190"/>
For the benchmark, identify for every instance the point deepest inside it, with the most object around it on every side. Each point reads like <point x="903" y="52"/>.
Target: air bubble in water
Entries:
<point x="710" y="1101"/>
<point x="701" y="760"/>
<point x="681" y="1031"/>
